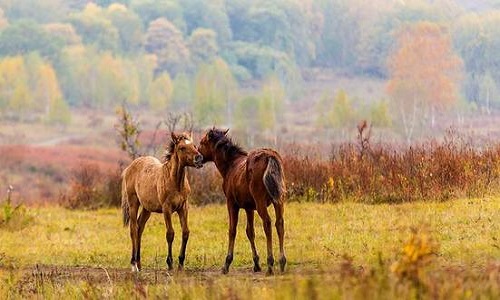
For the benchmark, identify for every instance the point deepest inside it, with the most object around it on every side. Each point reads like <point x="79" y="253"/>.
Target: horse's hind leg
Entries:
<point x="251" y="238"/>
<point x="183" y="218"/>
<point x="134" y="232"/>
<point x="280" y="228"/>
<point x="233" y="223"/>
<point x="266" y="222"/>
<point x="167" y="215"/>
<point x="143" y="218"/>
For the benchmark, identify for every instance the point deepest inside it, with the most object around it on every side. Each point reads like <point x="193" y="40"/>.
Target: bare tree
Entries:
<point x="128" y="131"/>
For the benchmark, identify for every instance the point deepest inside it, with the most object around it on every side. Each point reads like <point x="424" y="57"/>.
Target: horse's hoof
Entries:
<point x="257" y="268"/>
<point x="270" y="272"/>
<point x="225" y="270"/>
<point x="135" y="269"/>
<point x="180" y="268"/>
<point x="282" y="264"/>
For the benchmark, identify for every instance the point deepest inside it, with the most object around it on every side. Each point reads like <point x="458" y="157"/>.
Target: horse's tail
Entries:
<point x="125" y="205"/>
<point x="273" y="179"/>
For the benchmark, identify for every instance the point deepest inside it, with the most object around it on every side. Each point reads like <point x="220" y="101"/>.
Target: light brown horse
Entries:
<point x="161" y="188"/>
<point x="251" y="181"/>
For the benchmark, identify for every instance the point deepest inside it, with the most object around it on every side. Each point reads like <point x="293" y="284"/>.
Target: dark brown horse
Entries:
<point x="251" y="181"/>
<point x="161" y="188"/>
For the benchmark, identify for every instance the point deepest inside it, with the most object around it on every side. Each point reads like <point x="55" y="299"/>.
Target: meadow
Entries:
<point x="350" y="250"/>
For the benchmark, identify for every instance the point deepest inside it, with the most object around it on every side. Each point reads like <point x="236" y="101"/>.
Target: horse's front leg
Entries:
<point x="233" y="223"/>
<point x="183" y="218"/>
<point x="167" y="215"/>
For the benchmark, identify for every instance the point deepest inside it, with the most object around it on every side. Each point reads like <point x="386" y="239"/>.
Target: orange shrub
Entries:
<point x="385" y="173"/>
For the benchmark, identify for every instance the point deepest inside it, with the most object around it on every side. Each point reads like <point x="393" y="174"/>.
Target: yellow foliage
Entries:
<point x="47" y="90"/>
<point x="14" y="89"/>
<point x="416" y="254"/>
<point x="160" y="92"/>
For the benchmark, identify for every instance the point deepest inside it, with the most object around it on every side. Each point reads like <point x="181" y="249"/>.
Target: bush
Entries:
<point x="13" y="217"/>
<point x="206" y="186"/>
<point x="383" y="173"/>
<point x="92" y="188"/>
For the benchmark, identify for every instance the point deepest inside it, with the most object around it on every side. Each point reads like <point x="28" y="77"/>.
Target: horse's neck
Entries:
<point x="224" y="165"/>
<point x="175" y="172"/>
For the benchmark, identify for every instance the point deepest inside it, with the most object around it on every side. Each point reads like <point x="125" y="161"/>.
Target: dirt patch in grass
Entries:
<point x="33" y="277"/>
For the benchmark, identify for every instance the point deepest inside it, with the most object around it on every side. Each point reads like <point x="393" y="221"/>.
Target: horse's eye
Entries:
<point x="182" y="148"/>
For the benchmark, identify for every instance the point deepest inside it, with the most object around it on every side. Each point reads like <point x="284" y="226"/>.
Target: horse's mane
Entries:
<point x="226" y="145"/>
<point x="171" y="147"/>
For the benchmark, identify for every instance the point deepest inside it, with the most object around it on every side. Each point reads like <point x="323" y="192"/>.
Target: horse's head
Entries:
<point x="208" y="142"/>
<point x="187" y="153"/>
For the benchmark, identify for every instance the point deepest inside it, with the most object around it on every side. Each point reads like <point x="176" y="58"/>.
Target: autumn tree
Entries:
<point x="64" y="31"/>
<point x="208" y="14"/>
<point x="129" y="27"/>
<point x="336" y="113"/>
<point x="379" y="114"/>
<point x="245" y="115"/>
<point x="424" y="74"/>
<point x="166" y="41"/>
<point x="77" y="75"/>
<point x="26" y="36"/>
<point x="203" y="46"/>
<point x="59" y="112"/>
<point x="99" y="80"/>
<point x="150" y="10"/>
<point x="95" y="28"/>
<point x="47" y="91"/>
<point x="40" y="11"/>
<point x="477" y="38"/>
<point x="116" y="81"/>
<point x="182" y="95"/>
<point x="271" y="103"/>
<point x="215" y="88"/>
<point x="15" y="94"/>
<point x="343" y="113"/>
<point x="160" y="92"/>
<point x="289" y="27"/>
<point x="145" y="65"/>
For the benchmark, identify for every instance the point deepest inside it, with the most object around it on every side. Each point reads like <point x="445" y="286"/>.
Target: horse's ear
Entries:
<point x="191" y="135"/>
<point x="226" y="131"/>
<point x="175" y="137"/>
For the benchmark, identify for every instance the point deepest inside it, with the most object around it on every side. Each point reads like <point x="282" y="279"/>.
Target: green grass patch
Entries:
<point x="333" y="250"/>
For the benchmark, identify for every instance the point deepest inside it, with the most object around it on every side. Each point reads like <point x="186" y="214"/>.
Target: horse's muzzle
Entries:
<point x="198" y="161"/>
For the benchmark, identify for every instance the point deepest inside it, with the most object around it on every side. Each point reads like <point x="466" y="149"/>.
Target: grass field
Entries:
<point x="342" y="250"/>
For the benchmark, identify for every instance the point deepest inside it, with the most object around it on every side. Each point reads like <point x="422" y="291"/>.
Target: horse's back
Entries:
<point x="140" y="179"/>
<point x="140" y="165"/>
<point x="258" y="159"/>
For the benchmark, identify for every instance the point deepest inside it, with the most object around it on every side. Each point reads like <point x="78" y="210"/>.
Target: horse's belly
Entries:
<point x="149" y="200"/>
<point x="153" y="207"/>
<point x="244" y="200"/>
<point x="176" y="202"/>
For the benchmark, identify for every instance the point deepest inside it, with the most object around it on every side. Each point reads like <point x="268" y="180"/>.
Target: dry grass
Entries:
<point x="384" y="173"/>
<point x="40" y="174"/>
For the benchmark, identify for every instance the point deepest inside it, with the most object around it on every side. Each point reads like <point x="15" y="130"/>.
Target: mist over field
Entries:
<point x="378" y="108"/>
<point x="273" y="71"/>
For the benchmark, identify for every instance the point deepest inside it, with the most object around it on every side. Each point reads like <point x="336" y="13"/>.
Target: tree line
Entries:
<point x="197" y="55"/>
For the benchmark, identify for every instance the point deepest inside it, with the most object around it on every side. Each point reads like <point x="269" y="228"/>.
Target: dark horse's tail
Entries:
<point x="125" y="207"/>
<point x="273" y="179"/>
